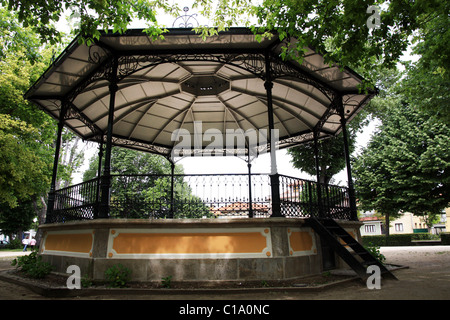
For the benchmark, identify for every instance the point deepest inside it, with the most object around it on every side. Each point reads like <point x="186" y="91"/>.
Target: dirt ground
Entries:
<point x="426" y="278"/>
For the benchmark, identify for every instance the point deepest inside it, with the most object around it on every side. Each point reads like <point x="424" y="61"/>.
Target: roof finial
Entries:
<point x="186" y="21"/>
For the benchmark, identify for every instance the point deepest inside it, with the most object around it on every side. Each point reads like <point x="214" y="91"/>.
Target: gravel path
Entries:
<point x="426" y="278"/>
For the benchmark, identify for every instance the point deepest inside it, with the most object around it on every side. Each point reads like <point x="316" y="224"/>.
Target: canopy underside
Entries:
<point x="209" y="89"/>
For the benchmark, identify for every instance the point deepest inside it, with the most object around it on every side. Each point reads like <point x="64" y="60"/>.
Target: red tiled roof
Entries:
<point x="369" y="219"/>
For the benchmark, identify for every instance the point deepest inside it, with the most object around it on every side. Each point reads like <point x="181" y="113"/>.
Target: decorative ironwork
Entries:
<point x="131" y="63"/>
<point x="77" y="202"/>
<point x="94" y="54"/>
<point x="283" y="69"/>
<point x="74" y="113"/>
<point x="185" y="21"/>
<point x="198" y="196"/>
<point x="300" y="198"/>
<point x="122" y="142"/>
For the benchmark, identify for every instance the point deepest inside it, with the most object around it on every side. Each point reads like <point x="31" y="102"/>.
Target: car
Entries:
<point x="3" y="243"/>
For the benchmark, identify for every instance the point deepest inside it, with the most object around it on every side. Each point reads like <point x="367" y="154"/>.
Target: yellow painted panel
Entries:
<point x="71" y="242"/>
<point x="301" y="241"/>
<point x="189" y="243"/>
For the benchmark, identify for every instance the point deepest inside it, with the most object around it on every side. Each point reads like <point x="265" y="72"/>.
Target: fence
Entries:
<point x="77" y="202"/>
<point x="200" y="196"/>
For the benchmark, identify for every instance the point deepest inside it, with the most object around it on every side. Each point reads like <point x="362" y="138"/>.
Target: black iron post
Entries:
<point x="99" y="173"/>
<point x="51" y="194"/>
<point x="351" y="190"/>
<point x="106" y="177"/>
<point x="319" y="187"/>
<point x="172" y="181"/>
<point x="250" y="202"/>
<point x="274" y="177"/>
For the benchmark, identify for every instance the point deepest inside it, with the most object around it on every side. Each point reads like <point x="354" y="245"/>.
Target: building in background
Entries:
<point x="407" y="223"/>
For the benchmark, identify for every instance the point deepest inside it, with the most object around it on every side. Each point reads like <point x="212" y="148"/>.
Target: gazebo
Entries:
<point x="180" y="95"/>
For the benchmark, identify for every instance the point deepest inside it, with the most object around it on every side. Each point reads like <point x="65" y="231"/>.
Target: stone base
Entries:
<point x="188" y="249"/>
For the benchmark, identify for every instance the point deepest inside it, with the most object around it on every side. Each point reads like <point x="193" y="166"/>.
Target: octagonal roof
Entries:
<point x="185" y="82"/>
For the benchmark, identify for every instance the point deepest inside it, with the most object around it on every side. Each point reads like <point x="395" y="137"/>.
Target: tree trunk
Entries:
<point x="41" y="213"/>
<point x="323" y="177"/>
<point x="387" y="228"/>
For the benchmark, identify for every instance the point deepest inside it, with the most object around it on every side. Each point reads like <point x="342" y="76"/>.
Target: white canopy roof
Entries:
<point x="182" y="82"/>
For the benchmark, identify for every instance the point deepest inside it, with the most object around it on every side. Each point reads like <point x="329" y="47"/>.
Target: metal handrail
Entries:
<point x="201" y="195"/>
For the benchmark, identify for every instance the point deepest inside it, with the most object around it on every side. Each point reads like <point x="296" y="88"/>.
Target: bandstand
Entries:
<point x="183" y="96"/>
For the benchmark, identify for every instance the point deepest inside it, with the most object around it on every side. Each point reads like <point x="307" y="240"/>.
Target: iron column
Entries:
<point x="274" y="177"/>
<point x="106" y="178"/>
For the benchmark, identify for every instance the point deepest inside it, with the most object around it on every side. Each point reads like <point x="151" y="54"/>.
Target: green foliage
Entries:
<point x="26" y="133"/>
<point x="404" y="239"/>
<point x="118" y="276"/>
<point x="13" y="37"/>
<point x="86" y="282"/>
<point x="445" y="238"/>
<point x="392" y="240"/>
<point x="331" y="157"/>
<point x="406" y="165"/>
<point x="428" y="79"/>
<point x="18" y="218"/>
<point x="149" y="187"/>
<point x="32" y="265"/>
<point x="15" y="244"/>
<point x="91" y="15"/>
<point x="341" y="26"/>
<point x="425" y="236"/>
<point x="337" y="29"/>
<point x="264" y="284"/>
<point x="374" y="250"/>
<point x="23" y="170"/>
<point x="166" y="282"/>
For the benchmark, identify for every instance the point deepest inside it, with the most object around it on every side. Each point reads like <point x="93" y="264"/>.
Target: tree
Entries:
<point x="13" y="37"/>
<point x="337" y="29"/>
<point x="93" y="15"/>
<point x="428" y="79"/>
<point x="23" y="172"/>
<point x="141" y="186"/>
<point x="27" y="134"/>
<point x="406" y="165"/>
<point x="70" y="160"/>
<point x="17" y="219"/>
<point x="331" y="157"/>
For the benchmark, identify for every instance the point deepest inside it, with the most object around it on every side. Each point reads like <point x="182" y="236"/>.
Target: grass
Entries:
<point x="11" y="250"/>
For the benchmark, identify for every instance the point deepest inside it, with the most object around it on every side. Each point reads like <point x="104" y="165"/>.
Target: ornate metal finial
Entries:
<point x="186" y="21"/>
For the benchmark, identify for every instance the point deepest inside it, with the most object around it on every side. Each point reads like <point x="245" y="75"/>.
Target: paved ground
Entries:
<point x="427" y="278"/>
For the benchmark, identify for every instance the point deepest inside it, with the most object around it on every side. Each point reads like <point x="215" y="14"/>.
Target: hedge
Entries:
<point x="403" y="239"/>
<point x="425" y="236"/>
<point x="392" y="240"/>
<point x="445" y="238"/>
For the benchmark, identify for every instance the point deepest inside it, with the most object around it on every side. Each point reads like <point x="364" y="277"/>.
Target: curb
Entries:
<point x="64" y="292"/>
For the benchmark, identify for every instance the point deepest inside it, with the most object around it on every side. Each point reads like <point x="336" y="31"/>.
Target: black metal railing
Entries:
<point x="200" y="196"/>
<point x="77" y="202"/>
<point x="304" y="198"/>
<point x="188" y="196"/>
